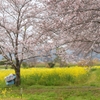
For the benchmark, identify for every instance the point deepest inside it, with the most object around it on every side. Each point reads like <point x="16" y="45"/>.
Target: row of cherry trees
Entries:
<point x="31" y="28"/>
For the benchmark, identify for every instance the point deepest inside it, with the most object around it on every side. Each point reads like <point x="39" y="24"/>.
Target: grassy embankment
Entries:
<point x="73" y="83"/>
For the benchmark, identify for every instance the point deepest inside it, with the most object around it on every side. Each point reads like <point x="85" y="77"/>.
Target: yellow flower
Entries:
<point x="45" y="72"/>
<point x="4" y="92"/>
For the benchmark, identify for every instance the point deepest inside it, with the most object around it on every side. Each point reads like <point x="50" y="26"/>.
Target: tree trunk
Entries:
<point x="18" y="78"/>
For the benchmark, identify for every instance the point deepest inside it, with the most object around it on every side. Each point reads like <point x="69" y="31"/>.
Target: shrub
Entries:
<point x="2" y="62"/>
<point x="24" y="64"/>
<point x="51" y="65"/>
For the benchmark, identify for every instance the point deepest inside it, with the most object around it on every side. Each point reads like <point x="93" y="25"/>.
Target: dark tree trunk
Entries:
<point x="18" y="78"/>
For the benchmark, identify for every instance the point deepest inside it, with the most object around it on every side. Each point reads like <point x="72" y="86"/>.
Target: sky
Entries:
<point x="0" y="57"/>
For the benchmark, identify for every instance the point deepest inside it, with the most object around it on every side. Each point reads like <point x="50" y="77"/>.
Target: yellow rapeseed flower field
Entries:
<point x="97" y="67"/>
<point x="45" y="72"/>
<point x="4" y="73"/>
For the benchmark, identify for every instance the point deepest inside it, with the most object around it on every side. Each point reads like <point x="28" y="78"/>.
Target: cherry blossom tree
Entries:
<point x="21" y="34"/>
<point x="75" y="25"/>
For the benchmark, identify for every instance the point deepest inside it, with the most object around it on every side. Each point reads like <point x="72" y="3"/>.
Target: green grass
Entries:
<point x="52" y="93"/>
<point x="4" y="67"/>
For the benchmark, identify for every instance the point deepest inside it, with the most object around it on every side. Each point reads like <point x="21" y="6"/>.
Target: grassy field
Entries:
<point x="73" y="83"/>
<point x="52" y="93"/>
